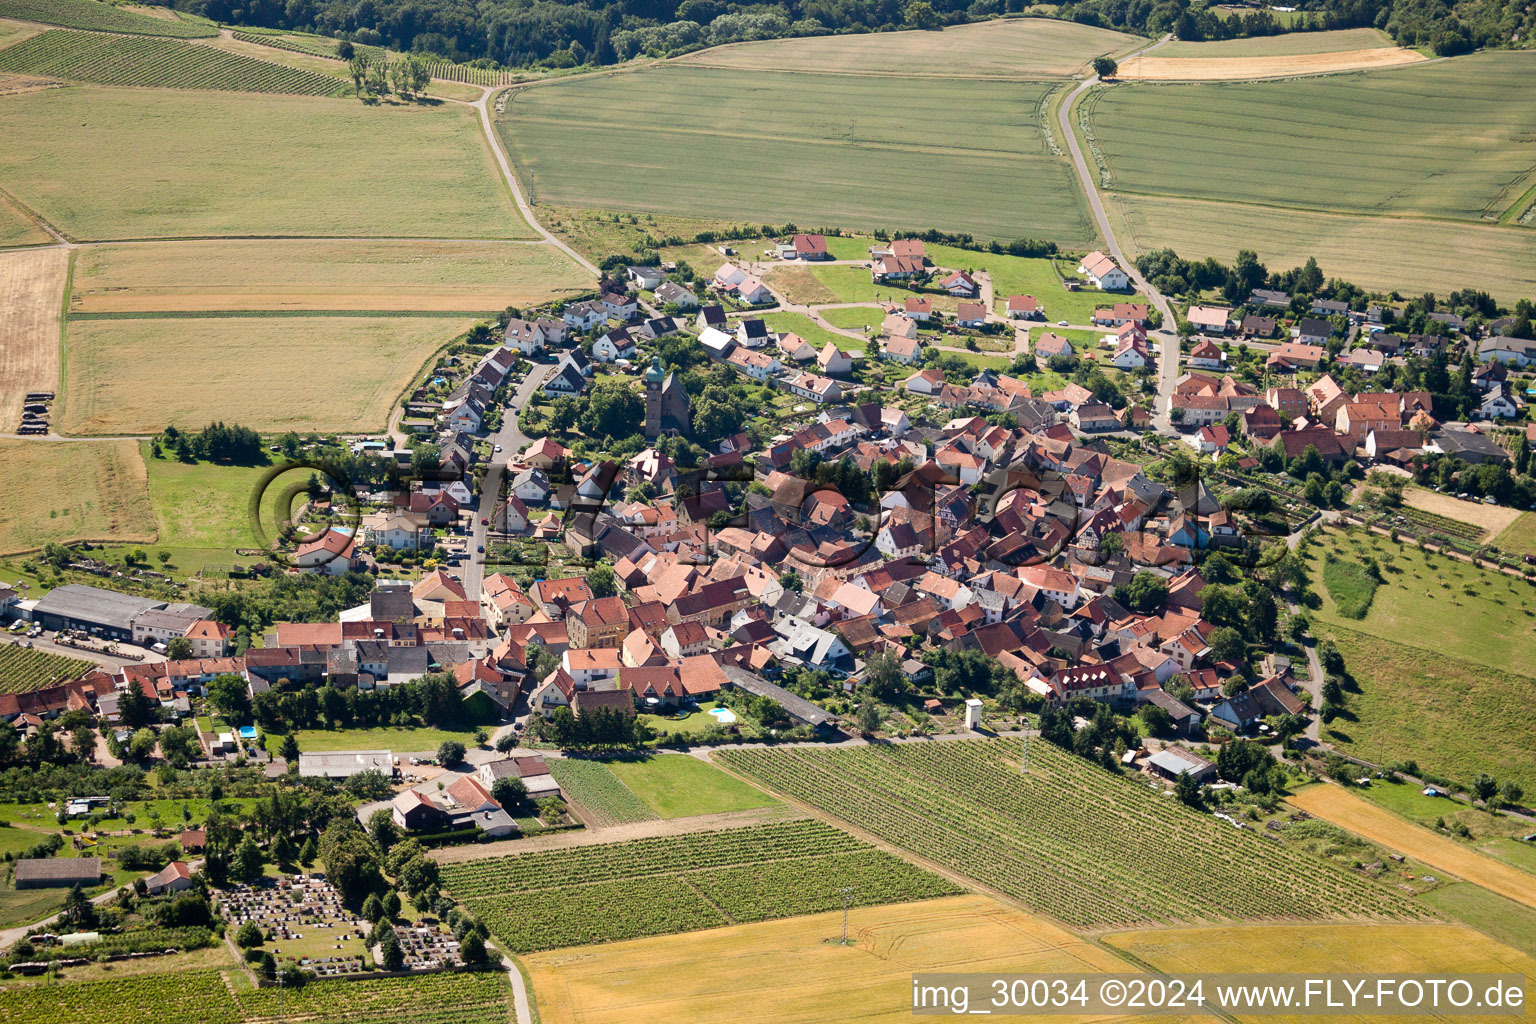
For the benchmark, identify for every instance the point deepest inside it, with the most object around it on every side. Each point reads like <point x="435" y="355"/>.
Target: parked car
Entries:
<point x="1062" y="323"/>
<point x="481" y="549"/>
<point x="485" y="521"/>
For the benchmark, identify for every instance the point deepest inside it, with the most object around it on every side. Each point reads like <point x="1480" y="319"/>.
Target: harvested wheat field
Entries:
<point x="424" y="276"/>
<point x="1379" y="825"/>
<point x="1492" y="519"/>
<point x="275" y="373"/>
<point x="31" y="296"/>
<point x="1217" y="69"/>
<point x="1369" y="948"/>
<point x="793" y="970"/>
<point x="72" y="490"/>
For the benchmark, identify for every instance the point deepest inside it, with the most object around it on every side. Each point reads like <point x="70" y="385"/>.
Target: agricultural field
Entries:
<point x="1156" y="67"/>
<point x="65" y="491"/>
<point x="400" y="740"/>
<point x="16" y="228"/>
<point x="202" y="511"/>
<point x="680" y="786"/>
<point x="147" y="61"/>
<point x="1489" y="520"/>
<point x="1507" y="921"/>
<point x="32" y="295"/>
<point x="1519" y="537"/>
<point x="25" y="669"/>
<point x="1026" y="48"/>
<point x="968" y="806"/>
<point x="205" y="998"/>
<point x="1341" y="807"/>
<point x="1371" y="948"/>
<point x="597" y="793"/>
<point x="315" y="373"/>
<point x="1287" y="44"/>
<point x="1455" y="139"/>
<point x="103" y="17"/>
<point x="429" y="170"/>
<point x="656" y="886"/>
<point x="794" y="970"/>
<point x="1380" y="253"/>
<point x="306" y="274"/>
<point x="723" y="154"/>
<point x="1497" y="835"/>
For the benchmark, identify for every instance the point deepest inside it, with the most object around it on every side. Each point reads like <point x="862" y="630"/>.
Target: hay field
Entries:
<point x="1383" y="253"/>
<point x="1287" y="44"/>
<point x="788" y="972"/>
<point x="1217" y="69"/>
<point x="72" y="490"/>
<point x="16" y="228"/>
<point x="1520" y="536"/>
<point x="1452" y="139"/>
<point x="1023" y="48"/>
<point x="321" y="275"/>
<point x="270" y="373"/>
<point x="1379" y="825"/>
<point x="206" y="164"/>
<point x="31" y="296"/>
<point x="1434" y="949"/>
<point x="858" y="152"/>
<point x="1492" y="519"/>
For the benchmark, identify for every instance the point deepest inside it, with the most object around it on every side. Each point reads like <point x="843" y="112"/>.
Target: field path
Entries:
<point x="483" y="106"/>
<point x="1337" y="805"/>
<point x="1168" y="358"/>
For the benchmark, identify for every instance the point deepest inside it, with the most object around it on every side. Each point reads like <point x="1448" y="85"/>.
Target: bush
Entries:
<point x="249" y="936"/>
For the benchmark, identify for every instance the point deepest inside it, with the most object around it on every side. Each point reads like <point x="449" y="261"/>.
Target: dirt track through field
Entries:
<point x="1341" y="807"/>
<point x="1216" y="69"/>
<point x="31" y="296"/>
<point x="617" y="833"/>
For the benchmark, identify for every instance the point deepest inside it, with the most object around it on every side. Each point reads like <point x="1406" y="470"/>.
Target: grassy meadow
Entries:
<point x="1493" y="915"/>
<point x="1520" y="536"/>
<point x="1495" y="835"/>
<point x="308" y="274"/>
<point x="804" y="326"/>
<point x="1383" y="253"/>
<point x="1026" y="48"/>
<point x="680" y="786"/>
<point x="275" y="373"/>
<point x="16" y="228"/>
<point x="1455" y="139"/>
<point x="345" y="168"/>
<point x="1440" y="659"/>
<point x="860" y="152"/>
<point x="68" y="490"/>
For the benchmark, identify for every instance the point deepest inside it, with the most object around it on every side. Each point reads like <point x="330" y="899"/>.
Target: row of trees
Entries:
<point x="217" y="442"/>
<point x="405" y="78"/>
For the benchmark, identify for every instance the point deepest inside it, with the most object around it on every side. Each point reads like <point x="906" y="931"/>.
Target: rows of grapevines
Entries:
<point x="601" y="912"/>
<point x="187" y="998"/>
<point x="637" y="857"/>
<point x="603" y="799"/>
<point x="100" y="17"/>
<point x="444" y="997"/>
<point x="25" y="669"/>
<point x="761" y="892"/>
<point x="1066" y="837"/>
<point x="142" y="60"/>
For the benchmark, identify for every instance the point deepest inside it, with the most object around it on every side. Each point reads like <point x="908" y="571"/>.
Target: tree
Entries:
<point x="472" y="949"/>
<point x="382" y="828"/>
<point x="1511" y="792"/>
<point x="508" y="741"/>
<point x="602" y="580"/>
<point x="1227" y="644"/>
<point x="289" y="749"/>
<point x="883" y="677"/>
<point x="1155" y="720"/>
<point x="920" y="14"/>
<point x="249" y="935"/>
<point x="309" y="851"/>
<point x="391" y="956"/>
<point x="377" y="79"/>
<point x="420" y="75"/>
<point x="248" y="861"/>
<point x="1105" y="67"/>
<point x="230" y="696"/>
<point x="351" y="859"/>
<point x="450" y="752"/>
<point x="509" y="792"/>
<point x="358" y="69"/>
<point x="179" y="649"/>
<point x="1485" y="786"/>
<point x="79" y="913"/>
<point x="1188" y="791"/>
<point x="868" y="718"/>
<point x="373" y="908"/>
<point x="1145" y="593"/>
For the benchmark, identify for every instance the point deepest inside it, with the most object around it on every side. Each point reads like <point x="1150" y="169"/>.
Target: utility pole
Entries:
<point x="847" y="895"/>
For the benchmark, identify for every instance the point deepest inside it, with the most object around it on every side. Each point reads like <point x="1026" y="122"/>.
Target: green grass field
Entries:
<point x="1283" y="45"/>
<point x="101" y="17"/>
<point x="1454" y="139"/>
<point x="1492" y="914"/>
<point x="144" y="60"/>
<point x="1519" y="537"/>
<point x="429" y="171"/>
<point x="804" y="326"/>
<point x="852" y="318"/>
<point x="395" y="740"/>
<point x="1350" y="585"/>
<point x="860" y="152"/>
<point x="269" y="373"/>
<point x="1497" y="835"/>
<point x="680" y="786"/>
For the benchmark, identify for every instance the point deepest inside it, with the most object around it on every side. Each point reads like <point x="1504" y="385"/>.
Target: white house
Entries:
<point x="671" y="293"/>
<point x="753" y="292"/>
<point x="834" y="360"/>
<point x="1103" y="272"/>
<point x="1207" y="355"/>
<point x="757" y="365"/>
<point x="527" y="336"/>
<point x="646" y="277"/>
<point x="616" y="344"/>
<point x="1209" y="319"/>
<point x="583" y="316"/>
<point x="331" y="553"/>
<point x="532" y="484"/>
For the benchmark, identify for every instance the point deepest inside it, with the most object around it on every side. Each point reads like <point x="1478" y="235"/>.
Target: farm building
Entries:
<point x="342" y="764"/>
<point x="797" y="707"/>
<point x="57" y="872"/>
<point x="104" y="612"/>
<point x="1171" y="762"/>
